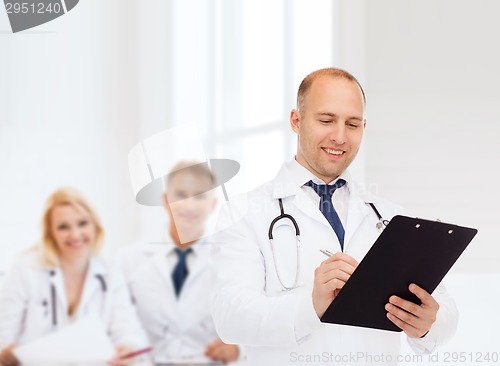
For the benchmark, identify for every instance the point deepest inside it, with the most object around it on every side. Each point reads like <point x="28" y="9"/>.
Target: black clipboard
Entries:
<point x="409" y="250"/>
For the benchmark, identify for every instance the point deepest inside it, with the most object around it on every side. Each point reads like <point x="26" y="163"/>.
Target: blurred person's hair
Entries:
<point x="192" y="167"/>
<point x="71" y="197"/>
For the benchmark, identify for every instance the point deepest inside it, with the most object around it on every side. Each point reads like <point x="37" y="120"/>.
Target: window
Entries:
<point x="235" y="69"/>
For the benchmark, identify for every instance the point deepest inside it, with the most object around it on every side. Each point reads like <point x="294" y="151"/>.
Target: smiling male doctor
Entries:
<point x="253" y="304"/>
<point x="170" y="282"/>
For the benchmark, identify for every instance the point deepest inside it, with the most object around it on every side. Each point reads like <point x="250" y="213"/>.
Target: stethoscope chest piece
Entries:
<point x="381" y="224"/>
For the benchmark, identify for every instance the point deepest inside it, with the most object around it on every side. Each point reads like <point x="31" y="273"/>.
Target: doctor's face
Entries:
<point x="189" y="202"/>
<point x="73" y="231"/>
<point x="329" y="126"/>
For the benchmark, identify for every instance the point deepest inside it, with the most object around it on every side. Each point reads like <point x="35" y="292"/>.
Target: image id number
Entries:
<point x="33" y="8"/>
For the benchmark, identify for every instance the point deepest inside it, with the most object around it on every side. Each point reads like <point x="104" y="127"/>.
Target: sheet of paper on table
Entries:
<point x="85" y="341"/>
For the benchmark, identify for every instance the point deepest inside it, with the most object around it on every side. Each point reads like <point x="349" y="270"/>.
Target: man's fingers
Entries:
<point x="322" y="277"/>
<point x="335" y="271"/>
<point x="406" y="327"/>
<point x="334" y="274"/>
<point x="423" y="295"/>
<point x="330" y="265"/>
<point x="408" y="318"/>
<point x="406" y="305"/>
<point x="340" y="256"/>
<point x="415" y="320"/>
<point x="411" y="325"/>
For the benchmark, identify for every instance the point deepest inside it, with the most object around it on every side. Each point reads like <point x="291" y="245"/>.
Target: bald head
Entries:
<point x="331" y="72"/>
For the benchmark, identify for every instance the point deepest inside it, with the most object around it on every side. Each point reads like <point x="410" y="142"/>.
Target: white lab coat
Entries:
<point x="179" y="328"/>
<point x="281" y="328"/>
<point x="26" y="309"/>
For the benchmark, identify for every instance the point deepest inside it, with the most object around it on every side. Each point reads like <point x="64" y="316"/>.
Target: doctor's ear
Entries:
<point x="295" y="120"/>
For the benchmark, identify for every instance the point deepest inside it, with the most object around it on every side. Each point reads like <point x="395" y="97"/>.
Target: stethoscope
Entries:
<point x="380" y="225"/>
<point x="53" y="294"/>
<point x="283" y="215"/>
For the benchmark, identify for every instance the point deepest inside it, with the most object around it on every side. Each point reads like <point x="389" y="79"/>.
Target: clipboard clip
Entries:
<point x="437" y="220"/>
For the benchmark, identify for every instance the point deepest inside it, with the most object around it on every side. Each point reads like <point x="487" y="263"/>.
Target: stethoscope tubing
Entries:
<point x="53" y="295"/>
<point x="381" y="224"/>
<point x="283" y="215"/>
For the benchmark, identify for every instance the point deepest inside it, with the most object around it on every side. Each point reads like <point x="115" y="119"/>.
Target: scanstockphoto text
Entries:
<point x="459" y="357"/>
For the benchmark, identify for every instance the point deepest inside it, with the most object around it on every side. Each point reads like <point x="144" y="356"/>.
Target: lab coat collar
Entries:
<point x="200" y="250"/>
<point x="292" y="176"/>
<point x="96" y="267"/>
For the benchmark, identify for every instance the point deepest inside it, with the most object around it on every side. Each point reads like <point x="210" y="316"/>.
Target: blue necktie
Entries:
<point x="180" y="271"/>
<point x="325" y="193"/>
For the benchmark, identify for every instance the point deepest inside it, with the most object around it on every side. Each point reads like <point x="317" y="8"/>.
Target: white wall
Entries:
<point x="432" y="77"/>
<point x="69" y="114"/>
<point x="432" y="82"/>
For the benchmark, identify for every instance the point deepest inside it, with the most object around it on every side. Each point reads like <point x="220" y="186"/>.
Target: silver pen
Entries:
<point x="326" y="252"/>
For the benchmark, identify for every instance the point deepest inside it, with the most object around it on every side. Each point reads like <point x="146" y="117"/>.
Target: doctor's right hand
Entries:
<point x="7" y="357"/>
<point x="329" y="278"/>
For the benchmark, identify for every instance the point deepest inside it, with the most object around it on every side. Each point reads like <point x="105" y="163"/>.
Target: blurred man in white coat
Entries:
<point x="170" y="282"/>
<point x="271" y="294"/>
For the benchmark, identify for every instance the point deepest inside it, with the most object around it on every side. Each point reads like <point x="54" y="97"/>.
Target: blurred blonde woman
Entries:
<point x="62" y="280"/>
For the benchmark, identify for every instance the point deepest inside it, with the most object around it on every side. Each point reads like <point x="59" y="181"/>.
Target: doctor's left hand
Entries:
<point x="415" y="320"/>
<point x="7" y="357"/>
<point x="118" y="360"/>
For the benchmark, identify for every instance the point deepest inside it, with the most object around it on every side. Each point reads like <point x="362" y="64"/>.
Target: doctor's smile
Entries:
<point x="333" y="152"/>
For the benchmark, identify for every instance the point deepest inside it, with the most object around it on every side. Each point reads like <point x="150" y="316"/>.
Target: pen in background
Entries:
<point x="136" y="353"/>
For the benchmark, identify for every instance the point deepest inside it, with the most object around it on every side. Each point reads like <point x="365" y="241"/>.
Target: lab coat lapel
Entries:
<point x="357" y="211"/>
<point x="195" y="295"/>
<point x="309" y="208"/>
<point x="284" y="186"/>
<point x="92" y="283"/>
<point x="200" y="263"/>
<point x="166" y="297"/>
<point x="161" y="264"/>
<point x="56" y="280"/>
